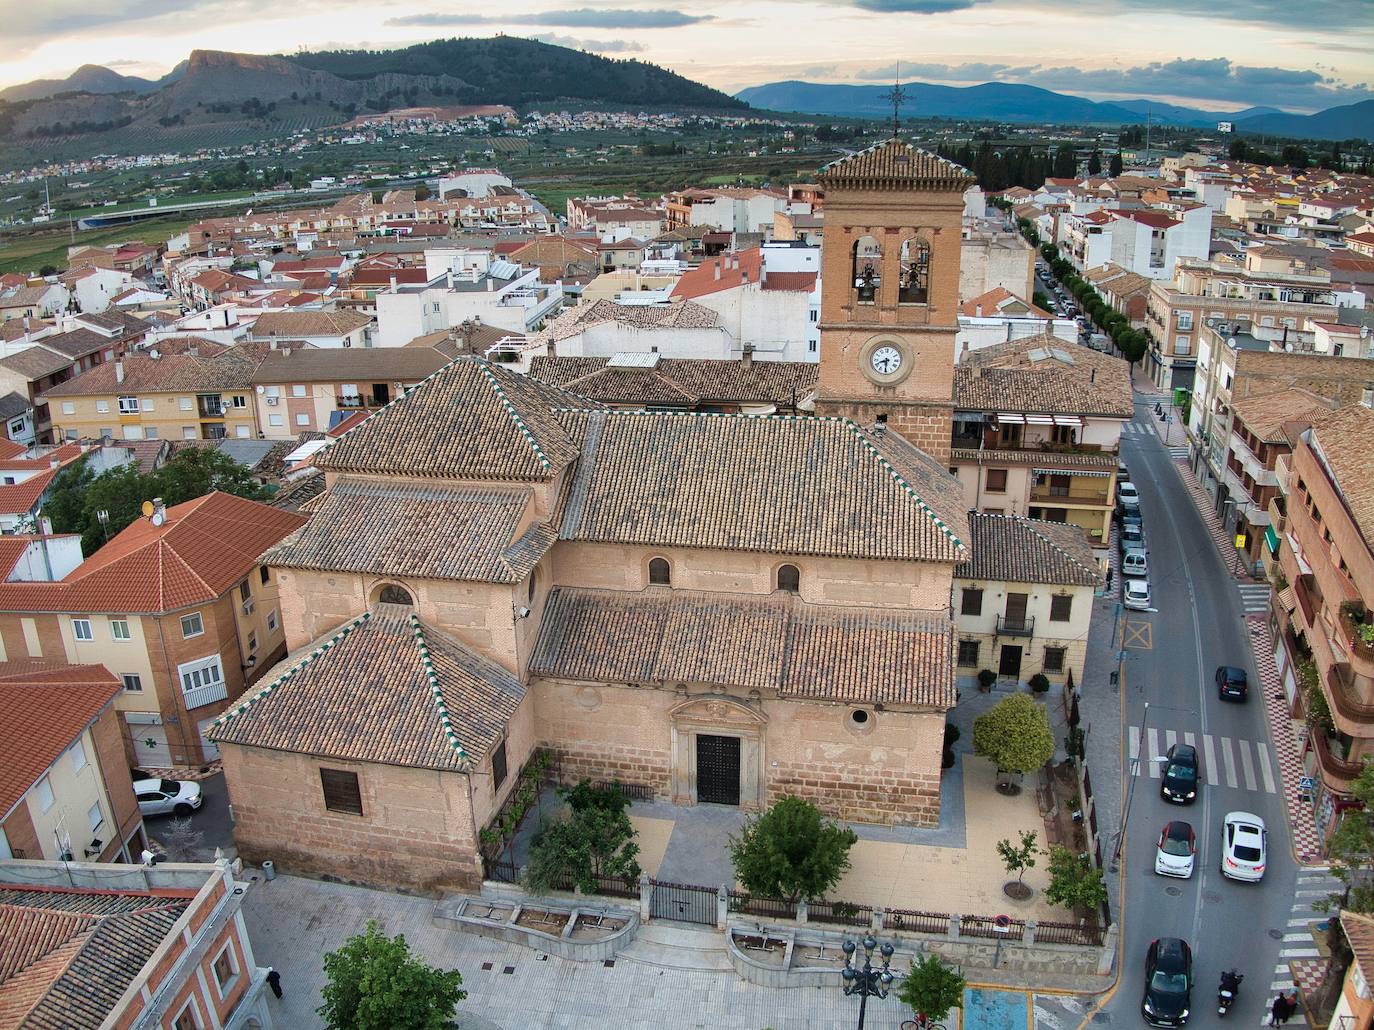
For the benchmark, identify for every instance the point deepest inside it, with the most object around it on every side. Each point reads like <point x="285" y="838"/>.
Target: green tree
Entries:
<point x="374" y="983"/>
<point x="1017" y="858"/>
<point x="1114" y="167"/>
<point x="1015" y="734"/>
<point x="1074" y="883"/>
<point x="1351" y="848"/>
<point x="931" y="988"/>
<point x="790" y="851"/>
<point x="597" y="839"/>
<point x="67" y="496"/>
<point x="1095" y="164"/>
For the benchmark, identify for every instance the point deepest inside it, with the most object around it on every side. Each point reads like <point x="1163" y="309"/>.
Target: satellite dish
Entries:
<point x="159" y="519"/>
<point x="262" y="389"/>
<point x="147" y="509"/>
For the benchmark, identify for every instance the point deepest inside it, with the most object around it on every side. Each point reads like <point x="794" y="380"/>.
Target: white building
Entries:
<point x="999" y="316"/>
<point x="475" y="182"/>
<point x="492" y="292"/>
<point x="1150" y="242"/>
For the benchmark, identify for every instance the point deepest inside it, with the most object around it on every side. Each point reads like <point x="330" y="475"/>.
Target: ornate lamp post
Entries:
<point x="866" y="981"/>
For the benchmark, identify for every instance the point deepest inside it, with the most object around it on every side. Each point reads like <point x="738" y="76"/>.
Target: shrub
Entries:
<point x="1074" y="883"/>
<point x="1015" y="734"/>
<point x="374" y="983"/>
<point x="931" y="988"/>
<point x="791" y="851"/>
<point x="1040" y="683"/>
<point x="596" y="840"/>
<point x="986" y="678"/>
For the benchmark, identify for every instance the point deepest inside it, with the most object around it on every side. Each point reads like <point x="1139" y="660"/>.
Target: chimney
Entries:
<point x="119" y="371"/>
<point x="490" y="284"/>
<point x="393" y="283"/>
<point x="747" y="361"/>
<point x="450" y="278"/>
<point x="159" y="508"/>
<point x="717" y="267"/>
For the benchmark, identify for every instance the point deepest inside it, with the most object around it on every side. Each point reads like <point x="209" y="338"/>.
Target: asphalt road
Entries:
<point x="1196" y="626"/>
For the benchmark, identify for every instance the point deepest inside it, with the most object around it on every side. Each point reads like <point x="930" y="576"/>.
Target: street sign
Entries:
<point x="1307" y="783"/>
<point x="1240" y="541"/>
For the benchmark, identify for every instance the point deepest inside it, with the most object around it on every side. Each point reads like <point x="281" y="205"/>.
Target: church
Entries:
<point x="717" y="608"/>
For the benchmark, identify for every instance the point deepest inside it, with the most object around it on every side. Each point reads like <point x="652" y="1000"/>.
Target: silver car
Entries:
<point x="158" y="797"/>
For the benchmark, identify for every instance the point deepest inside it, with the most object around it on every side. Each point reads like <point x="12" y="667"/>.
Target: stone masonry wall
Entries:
<point x="928" y="427"/>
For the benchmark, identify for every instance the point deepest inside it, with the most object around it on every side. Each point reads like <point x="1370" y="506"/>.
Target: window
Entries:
<point x="102" y="406"/>
<point x="997" y="481"/>
<point x="106" y="433"/>
<point x="185" y="403"/>
<point x="252" y="641"/>
<point x="225" y="970"/>
<point x="81" y="629"/>
<point x="968" y="654"/>
<point x="68" y="408"/>
<point x="146" y="404"/>
<point x="1063" y="434"/>
<point x="394" y="595"/>
<point x="498" y="766"/>
<point x="150" y="432"/>
<point x="94" y="818"/>
<point x="789" y="578"/>
<point x="245" y="590"/>
<point x="187" y="1019"/>
<point x="1185" y="321"/>
<point x="43" y="792"/>
<point x="241" y="432"/>
<point x="17" y="427"/>
<point x="302" y="419"/>
<point x="867" y="268"/>
<point x="298" y="391"/>
<point x="188" y="432"/>
<point x="660" y="573"/>
<point x="128" y="405"/>
<point x="811" y="345"/>
<point x="263" y="574"/>
<point x="341" y="791"/>
<point x="78" y="753"/>
<point x="1061" y="607"/>
<point x="133" y="683"/>
<point x="191" y="625"/>
<point x="274" y="420"/>
<point x="272" y="621"/>
<point x="1181" y="345"/>
<point x="972" y="601"/>
<point x="814" y="315"/>
<point x="1054" y="659"/>
<point x="274" y="391"/>
<point x="913" y="286"/>
<point x="119" y="629"/>
<point x="205" y="672"/>
<point x="240" y="401"/>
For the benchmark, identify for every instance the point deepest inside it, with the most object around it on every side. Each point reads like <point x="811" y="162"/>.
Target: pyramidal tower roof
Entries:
<point x="895" y="164"/>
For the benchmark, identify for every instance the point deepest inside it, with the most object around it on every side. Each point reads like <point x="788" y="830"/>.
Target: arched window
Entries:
<point x="659" y="572"/>
<point x="868" y="268"/>
<point x="789" y="578"/>
<point x="395" y="595"/>
<point x="914" y="285"/>
<point x="534" y="585"/>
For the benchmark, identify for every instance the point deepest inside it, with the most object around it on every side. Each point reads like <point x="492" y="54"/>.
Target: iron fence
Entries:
<point x="633" y="791"/>
<point x="841" y="913"/>
<point x="684" y="902"/>
<point x="502" y="870"/>
<point x="913" y="921"/>
<point x="988" y="926"/>
<point x="753" y="905"/>
<point x="1068" y="933"/>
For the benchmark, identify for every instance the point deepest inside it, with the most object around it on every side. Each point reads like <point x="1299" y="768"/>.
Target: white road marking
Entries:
<point x="1262" y="752"/>
<point x="1210" y="755"/>
<point x="1152" y="738"/>
<point x="1229" y="761"/>
<point x="1247" y="766"/>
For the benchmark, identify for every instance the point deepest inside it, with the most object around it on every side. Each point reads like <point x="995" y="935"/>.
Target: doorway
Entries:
<point x="718" y="769"/>
<point x="381" y="394"/>
<point x="1009" y="664"/>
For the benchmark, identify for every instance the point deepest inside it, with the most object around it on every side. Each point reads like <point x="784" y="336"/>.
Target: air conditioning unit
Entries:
<point x="272" y="401"/>
<point x="248" y="607"/>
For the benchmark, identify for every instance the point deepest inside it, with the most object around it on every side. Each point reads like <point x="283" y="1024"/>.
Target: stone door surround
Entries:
<point x="724" y="716"/>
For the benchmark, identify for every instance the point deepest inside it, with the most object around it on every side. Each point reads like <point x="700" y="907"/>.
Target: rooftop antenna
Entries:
<point x="895" y="96"/>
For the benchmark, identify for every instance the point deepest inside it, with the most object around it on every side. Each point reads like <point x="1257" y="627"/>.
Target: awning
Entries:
<point x="1072" y="472"/>
<point x="1271" y="539"/>
<point x="1039" y="420"/>
<point x="1011" y="418"/>
<point x="1067" y="420"/>
<point x="1287" y="599"/>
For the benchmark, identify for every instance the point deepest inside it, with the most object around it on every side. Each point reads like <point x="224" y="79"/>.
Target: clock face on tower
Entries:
<point x="886" y="360"/>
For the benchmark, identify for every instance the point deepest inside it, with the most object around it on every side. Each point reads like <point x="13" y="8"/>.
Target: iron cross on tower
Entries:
<point x="895" y="96"/>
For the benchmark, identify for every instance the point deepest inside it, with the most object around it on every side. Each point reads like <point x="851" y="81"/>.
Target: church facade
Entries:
<point x="721" y="608"/>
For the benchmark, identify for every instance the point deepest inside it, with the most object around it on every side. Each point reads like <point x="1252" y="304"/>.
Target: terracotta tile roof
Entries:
<point x="383" y="688"/>
<point x="10" y="450"/>
<point x="686" y="315"/>
<point x="1045" y="375"/>
<point x="772" y="642"/>
<point x="1096" y="460"/>
<point x="14" y="328"/>
<point x="35" y="362"/>
<point x="42" y="719"/>
<point x="129" y="327"/>
<point x="1342" y="437"/>
<point x="25" y="295"/>
<point x="831" y="488"/>
<point x="202" y="550"/>
<point x="1154" y="219"/>
<point x="1359" y="931"/>
<point x="297" y="492"/>
<point x="1264" y="414"/>
<point x="300" y="324"/>
<point x="415" y="530"/>
<point x="67" y="957"/>
<point x="725" y="272"/>
<point x="328" y="365"/>
<point x="77" y="343"/>
<point x="383" y="276"/>
<point x="20" y="498"/>
<point x="168" y="373"/>
<point x="893" y="164"/>
<point x="681" y="381"/>
<point x="1011" y="549"/>
<point x="992" y="303"/>
<point x="471" y="419"/>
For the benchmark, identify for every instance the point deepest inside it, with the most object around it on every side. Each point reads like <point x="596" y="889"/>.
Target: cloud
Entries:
<point x="580" y="18"/>
<point x="974" y="71"/>
<point x="914" y="6"/>
<point x="596" y="46"/>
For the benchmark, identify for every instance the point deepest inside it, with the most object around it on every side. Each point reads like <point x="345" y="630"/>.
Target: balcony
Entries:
<point x="210" y="407"/>
<point x="1076" y="493"/>
<point x="1309" y="598"/>
<point x="1337" y="772"/>
<point x="1354" y="617"/>
<point x="1013" y="627"/>
<point x="206" y="695"/>
<point x="1345" y="697"/>
<point x="356" y="401"/>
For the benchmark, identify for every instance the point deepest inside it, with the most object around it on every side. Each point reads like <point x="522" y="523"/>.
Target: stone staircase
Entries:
<point x="666" y="945"/>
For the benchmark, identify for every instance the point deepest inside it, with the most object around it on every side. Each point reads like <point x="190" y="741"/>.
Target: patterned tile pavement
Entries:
<point x="1219" y="536"/>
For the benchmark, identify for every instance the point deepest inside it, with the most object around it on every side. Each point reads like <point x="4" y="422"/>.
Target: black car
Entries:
<point x="1180" y="780"/>
<point x="1232" y="683"/>
<point x="1168" y="982"/>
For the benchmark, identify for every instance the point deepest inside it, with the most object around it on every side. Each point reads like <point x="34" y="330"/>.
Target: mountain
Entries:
<point x="1014" y="102"/>
<point x="89" y="78"/>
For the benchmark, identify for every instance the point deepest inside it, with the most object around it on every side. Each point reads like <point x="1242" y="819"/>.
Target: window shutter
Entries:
<point x="341" y="791"/>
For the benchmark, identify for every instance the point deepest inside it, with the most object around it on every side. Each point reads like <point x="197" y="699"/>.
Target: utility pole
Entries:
<point x="1147" y="134"/>
<point x="1133" y="772"/>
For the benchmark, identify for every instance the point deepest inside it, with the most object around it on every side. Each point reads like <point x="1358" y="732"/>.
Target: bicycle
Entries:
<point x="922" y="1023"/>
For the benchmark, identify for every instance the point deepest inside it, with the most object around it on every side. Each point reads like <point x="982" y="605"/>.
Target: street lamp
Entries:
<point x="866" y="982"/>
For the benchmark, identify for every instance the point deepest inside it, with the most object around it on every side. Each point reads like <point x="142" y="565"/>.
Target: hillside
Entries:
<point x="1353" y="121"/>
<point x="89" y="78"/>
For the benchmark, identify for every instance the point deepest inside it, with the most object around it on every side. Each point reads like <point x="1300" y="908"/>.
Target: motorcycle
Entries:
<point x="1226" y="993"/>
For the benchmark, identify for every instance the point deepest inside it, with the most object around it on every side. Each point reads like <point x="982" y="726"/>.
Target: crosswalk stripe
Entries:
<point x="1262" y="753"/>
<point x="1170" y="739"/>
<point x="1208" y="754"/>
<point x="1134" y="755"/>
<point x="1229" y="760"/>
<point x="1151" y="736"/>
<point x="1247" y="767"/>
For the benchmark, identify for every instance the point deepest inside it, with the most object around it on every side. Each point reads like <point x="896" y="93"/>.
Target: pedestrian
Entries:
<point x="1277" y="1011"/>
<point x="1290" y="1006"/>
<point x="274" y="981"/>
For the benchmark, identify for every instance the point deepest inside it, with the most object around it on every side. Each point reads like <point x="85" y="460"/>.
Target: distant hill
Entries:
<point x="1014" y="102"/>
<point x="89" y="78"/>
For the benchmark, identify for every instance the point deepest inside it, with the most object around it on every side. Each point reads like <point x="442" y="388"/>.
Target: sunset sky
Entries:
<point x="1222" y="54"/>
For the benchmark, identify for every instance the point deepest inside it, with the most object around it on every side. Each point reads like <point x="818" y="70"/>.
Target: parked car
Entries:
<point x="1134" y="563"/>
<point x="1168" y="982"/>
<point x="1180" y="779"/>
<point x="1132" y="536"/>
<point x="1243" y="847"/>
<point x="1128" y="498"/>
<point x="1176" y="850"/>
<point x="1136" y="594"/>
<point x="1123" y="474"/>
<point x="158" y="797"/>
<point x="1232" y="683"/>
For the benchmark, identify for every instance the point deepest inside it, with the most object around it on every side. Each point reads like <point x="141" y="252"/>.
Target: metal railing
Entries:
<point x="913" y="921"/>
<point x="840" y="913"/>
<point x="1013" y="627"/>
<point x="758" y="906"/>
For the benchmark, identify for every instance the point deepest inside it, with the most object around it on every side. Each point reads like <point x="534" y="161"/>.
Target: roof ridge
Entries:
<point x="902" y="481"/>
<point x="432" y="678"/>
<point x="338" y="636"/>
<point x="1046" y="522"/>
<point x="515" y="417"/>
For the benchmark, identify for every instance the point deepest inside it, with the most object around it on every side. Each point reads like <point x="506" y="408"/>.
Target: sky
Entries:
<point x="1220" y="54"/>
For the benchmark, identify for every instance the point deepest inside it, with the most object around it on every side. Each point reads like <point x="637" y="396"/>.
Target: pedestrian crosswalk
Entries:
<point x="1254" y="598"/>
<point x="1300" y="962"/>
<point x="1226" y="761"/>
<point x="1177" y="452"/>
<point x="1136" y="429"/>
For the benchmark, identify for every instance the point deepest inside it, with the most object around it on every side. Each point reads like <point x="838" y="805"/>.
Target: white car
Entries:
<point x="1128" y="495"/>
<point x="1176" y="850"/>
<point x="1135" y="594"/>
<point x="1243" y="839"/>
<point x="157" y="797"/>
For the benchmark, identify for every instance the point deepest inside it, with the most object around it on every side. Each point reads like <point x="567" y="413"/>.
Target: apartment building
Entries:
<point x="1037" y="424"/>
<point x="65" y="790"/>
<point x="182" y="389"/>
<point x="175" y="606"/>
<point x="331" y="330"/>
<point x="310" y="390"/>
<point x="1124" y="291"/>
<point x="728" y="209"/>
<point x="1321" y="612"/>
<point x="464" y="286"/>
<point x="130" y="946"/>
<point x="1151" y="242"/>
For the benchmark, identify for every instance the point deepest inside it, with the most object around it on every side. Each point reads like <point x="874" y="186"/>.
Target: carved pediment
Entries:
<point x="717" y="710"/>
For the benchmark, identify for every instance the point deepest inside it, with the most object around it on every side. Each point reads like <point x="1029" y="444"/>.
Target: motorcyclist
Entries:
<point x="1230" y="987"/>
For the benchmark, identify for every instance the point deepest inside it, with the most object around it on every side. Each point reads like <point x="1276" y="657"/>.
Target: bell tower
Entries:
<point x="890" y="293"/>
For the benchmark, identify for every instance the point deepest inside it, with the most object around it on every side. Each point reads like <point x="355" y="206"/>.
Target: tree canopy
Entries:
<point x="791" y="851"/>
<point x="597" y="839"/>
<point x="932" y="988"/>
<point x="374" y="983"/>
<point x="1015" y="734"/>
<point x="1351" y="848"/>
